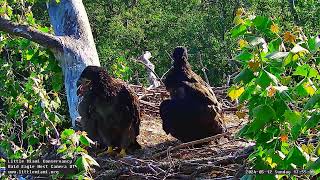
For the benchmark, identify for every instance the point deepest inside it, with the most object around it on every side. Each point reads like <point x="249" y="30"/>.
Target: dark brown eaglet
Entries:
<point x="109" y="110"/>
<point x="192" y="112"/>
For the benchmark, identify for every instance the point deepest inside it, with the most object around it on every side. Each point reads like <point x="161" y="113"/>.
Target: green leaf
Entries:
<point x="57" y="82"/>
<point x="54" y="118"/>
<point x="33" y="140"/>
<point x="288" y="59"/>
<point x="261" y="22"/>
<point x="266" y="78"/>
<point x="2" y="9"/>
<point x="317" y="150"/>
<point x="296" y="156"/>
<point x="62" y="148"/>
<point x="29" y="54"/>
<point x="84" y="140"/>
<point x="272" y="77"/>
<point x="277" y="55"/>
<point x="274" y="45"/>
<point x="302" y="70"/>
<point x="246" y="75"/>
<point x="262" y="115"/>
<point x="293" y="117"/>
<point x="244" y="56"/>
<point x="312" y="44"/>
<point x="315" y="99"/>
<point x="44" y="29"/>
<point x="312" y="72"/>
<point x="315" y="167"/>
<point x="43" y="131"/>
<point x="264" y="112"/>
<point x="300" y="89"/>
<point x="243" y="131"/>
<point x="247" y="93"/>
<point x="79" y="149"/>
<point x="280" y="107"/>
<point x="67" y="133"/>
<point x="312" y="121"/>
<point x="82" y="164"/>
<point x="238" y="30"/>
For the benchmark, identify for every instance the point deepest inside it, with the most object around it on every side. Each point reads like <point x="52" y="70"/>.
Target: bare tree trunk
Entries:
<point x="69" y="20"/>
<point x="72" y="45"/>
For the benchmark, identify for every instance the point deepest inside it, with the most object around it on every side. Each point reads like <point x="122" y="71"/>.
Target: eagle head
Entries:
<point x="180" y="55"/>
<point x="89" y="77"/>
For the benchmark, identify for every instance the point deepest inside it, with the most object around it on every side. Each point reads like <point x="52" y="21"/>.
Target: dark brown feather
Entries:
<point x="109" y="109"/>
<point x="193" y="110"/>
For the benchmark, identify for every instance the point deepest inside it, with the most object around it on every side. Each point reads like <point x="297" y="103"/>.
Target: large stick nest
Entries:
<point x="163" y="157"/>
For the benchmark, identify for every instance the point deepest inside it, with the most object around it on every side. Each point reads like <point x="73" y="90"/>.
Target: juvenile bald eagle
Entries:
<point x="193" y="111"/>
<point x="109" y="110"/>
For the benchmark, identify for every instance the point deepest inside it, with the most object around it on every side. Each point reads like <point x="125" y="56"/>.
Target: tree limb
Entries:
<point x="44" y="39"/>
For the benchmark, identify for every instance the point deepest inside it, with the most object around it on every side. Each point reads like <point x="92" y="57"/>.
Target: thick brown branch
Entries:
<point x="44" y="39"/>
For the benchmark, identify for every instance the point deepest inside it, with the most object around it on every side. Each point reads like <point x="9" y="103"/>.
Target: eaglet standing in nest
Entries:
<point x="193" y="111"/>
<point x="109" y="110"/>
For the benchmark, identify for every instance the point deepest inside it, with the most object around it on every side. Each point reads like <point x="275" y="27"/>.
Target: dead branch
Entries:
<point x="154" y="81"/>
<point x="149" y="104"/>
<point x="192" y="143"/>
<point x="45" y="39"/>
<point x="203" y="68"/>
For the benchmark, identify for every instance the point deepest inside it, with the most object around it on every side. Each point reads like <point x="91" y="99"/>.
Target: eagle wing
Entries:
<point x="89" y="121"/>
<point x="196" y="86"/>
<point x="128" y="105"/>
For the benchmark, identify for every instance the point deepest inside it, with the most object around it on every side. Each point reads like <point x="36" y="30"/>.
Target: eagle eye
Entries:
<point x="83" y="81"/>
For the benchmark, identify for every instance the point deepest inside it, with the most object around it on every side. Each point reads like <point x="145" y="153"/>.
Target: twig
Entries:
<point x="56" y="132"/>
<point x="192" y="143"/>
<point x="135" y="60"/>
<point x="166" y="72"/>
<point x="149" y="104"/>
<point x="232" y="109"/>
<point x="203" y="69"/>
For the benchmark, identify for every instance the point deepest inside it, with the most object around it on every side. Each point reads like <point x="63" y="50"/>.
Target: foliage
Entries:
<point x="30" y="89"/>
<point x="279" y="83"/>
<point x="127" y="28"/>
<point x="73" y="146"/>
<point x="32" y="101"/>
<point x="124" y="29"/>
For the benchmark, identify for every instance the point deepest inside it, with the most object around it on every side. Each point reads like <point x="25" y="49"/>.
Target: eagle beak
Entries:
<point x="79" y="90"/>
<point x="82" y="85"/>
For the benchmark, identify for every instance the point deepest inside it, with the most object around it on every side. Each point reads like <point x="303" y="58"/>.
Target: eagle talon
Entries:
<point x="109" y="150"/>
<point x="122" y="153"/>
